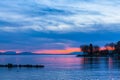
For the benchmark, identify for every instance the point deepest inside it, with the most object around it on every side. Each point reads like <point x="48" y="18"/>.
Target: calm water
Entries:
<point x="61" y="67"/>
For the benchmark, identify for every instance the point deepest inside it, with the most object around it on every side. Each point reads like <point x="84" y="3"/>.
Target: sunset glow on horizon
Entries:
<point x="58" y="51"/>
<point x="50" y="51"/>
<point x="67" y="50"/>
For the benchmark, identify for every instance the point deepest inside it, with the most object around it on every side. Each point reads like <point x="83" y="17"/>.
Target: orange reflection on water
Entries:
<point x="110" y="62"/>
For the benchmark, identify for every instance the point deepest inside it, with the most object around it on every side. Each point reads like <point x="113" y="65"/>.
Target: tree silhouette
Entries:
<point x="96" y="50"/>
<point x="117" y="48"/>
<point x="91" y="49"/>
<point x="111" y="49"/>
<point x="84" y="48"/>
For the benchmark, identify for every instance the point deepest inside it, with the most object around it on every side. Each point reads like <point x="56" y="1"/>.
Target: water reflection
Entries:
<point x="62" y="67"/>
<point x="65" y="61"/>
<point x="101" y="63"/>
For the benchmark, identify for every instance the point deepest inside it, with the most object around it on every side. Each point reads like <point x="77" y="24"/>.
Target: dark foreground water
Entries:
<point x="61" y="67"/>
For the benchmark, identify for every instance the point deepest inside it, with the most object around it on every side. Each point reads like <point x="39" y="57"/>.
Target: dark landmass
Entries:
<point x="9" y="65"/>
<point x="14" y="53"/>
<point x="93" y="56"/>
<point x="9" y="53"/>
<point x="110" y="50"/>
<point x="1" y="53"/>
<point x="76" y="53"/>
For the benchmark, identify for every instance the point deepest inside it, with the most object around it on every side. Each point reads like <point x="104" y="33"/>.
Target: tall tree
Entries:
<point x="91" y="49"/>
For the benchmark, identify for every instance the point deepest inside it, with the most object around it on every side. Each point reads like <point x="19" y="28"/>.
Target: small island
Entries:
<point x="9" y="65"/>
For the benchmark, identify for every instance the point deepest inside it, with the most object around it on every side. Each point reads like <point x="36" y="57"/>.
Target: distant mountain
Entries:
<point x="1" y="53"/>
<point x="9" y="53"/>
<point x="76" y="53"/>
<point x="14" y="53"/>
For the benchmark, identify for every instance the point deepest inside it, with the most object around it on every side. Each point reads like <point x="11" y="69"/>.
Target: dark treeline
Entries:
<point x="110" y="49"/>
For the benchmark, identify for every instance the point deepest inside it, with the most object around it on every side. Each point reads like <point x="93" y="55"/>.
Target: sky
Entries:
<point x="57" y="26"/>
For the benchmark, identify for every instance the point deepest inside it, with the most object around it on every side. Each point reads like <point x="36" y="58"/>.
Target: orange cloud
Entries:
<point x="58" y="51"/>
<point x="108" y="48"/>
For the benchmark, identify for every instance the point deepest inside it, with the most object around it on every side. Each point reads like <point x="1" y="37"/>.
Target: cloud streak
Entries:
<point x="59" y="16"/>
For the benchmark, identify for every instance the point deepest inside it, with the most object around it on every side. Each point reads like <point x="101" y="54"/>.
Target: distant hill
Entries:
<point x="14" y="53"/>
<point x="9" y="53"/>
<point x="1" y="53"/>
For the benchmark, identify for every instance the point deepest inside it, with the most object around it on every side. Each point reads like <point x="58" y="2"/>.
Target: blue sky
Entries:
<point x="30" y="25"/>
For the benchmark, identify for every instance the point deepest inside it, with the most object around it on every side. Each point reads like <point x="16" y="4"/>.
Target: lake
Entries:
<point x="61" y="67"/>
